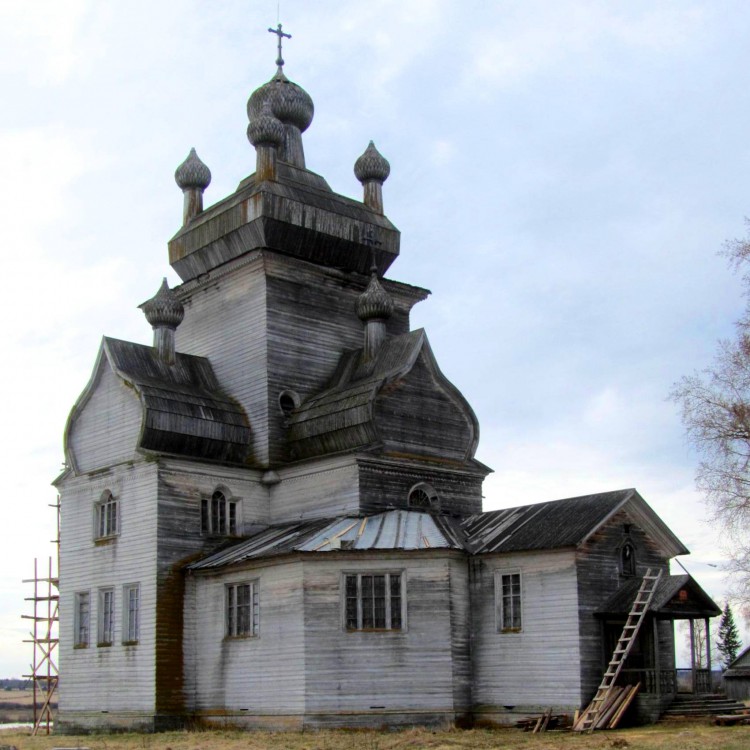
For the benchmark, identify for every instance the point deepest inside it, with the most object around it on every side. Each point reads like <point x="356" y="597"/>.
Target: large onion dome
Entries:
<point x="265" y="128"/>
<point x="163" y="310"/>
<point x="289" y="102"/>
<point x="372" y="166"/>
<point x="374" y="302"/>
<point x="193" y="173"/>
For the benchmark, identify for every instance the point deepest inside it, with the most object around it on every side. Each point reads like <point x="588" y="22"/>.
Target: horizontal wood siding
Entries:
<point x="538" y="667"/>
<point x="460" y="606"/>
<point x="116" y="678"/>
<point x="225" y="321"/>
<point x="316" y="489"/>
<point x="599" y="576"/>
<point x="106" y="430"/>
<point x="265" y="674"/>
<point x="386" y="484"/>
<point x="402" y="671"/>
<point x="415" y="415"/>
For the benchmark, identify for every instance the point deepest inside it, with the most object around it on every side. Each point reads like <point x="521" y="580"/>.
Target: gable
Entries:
<point x="104" y="426"/>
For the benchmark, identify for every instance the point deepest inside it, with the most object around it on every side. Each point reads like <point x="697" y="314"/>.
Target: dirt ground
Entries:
<point x="673" y="736"/>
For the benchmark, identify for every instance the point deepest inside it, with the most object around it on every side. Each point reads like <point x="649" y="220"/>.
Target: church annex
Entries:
<point x="272" y="517"/>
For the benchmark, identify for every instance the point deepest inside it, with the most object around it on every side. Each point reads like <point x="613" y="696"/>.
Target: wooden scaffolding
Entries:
<point x="44" y="638"/>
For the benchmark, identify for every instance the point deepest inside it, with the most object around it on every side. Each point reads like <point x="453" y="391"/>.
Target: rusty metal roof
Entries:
<point x="393" y="529"/>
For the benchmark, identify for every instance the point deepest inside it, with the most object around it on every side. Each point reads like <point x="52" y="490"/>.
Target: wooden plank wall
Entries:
<point x="245" y="677"/>
<point x="598" y="564"/>
<point x="380" y="677"/>
<point x="537" y="668"/>
<point x="106" y="431"/>
<point x="121" y="677"/>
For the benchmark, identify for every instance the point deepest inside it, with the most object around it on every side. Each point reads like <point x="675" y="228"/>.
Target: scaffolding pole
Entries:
<point x="44" y="674"/>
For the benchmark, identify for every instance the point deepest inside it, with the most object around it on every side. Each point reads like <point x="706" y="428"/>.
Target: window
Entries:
<point x="131" y="608"/>
<point x="373" y="601"/>
<point x="106" y="617"/>
<point x="423" y="495"/>
<point x="242" y="609"/>
<point x="106" y="516"/>
<point x="219" y="515"/>
<point x="627" y="559"/>
<point x="81" y="620"/>
<point x="508" y="601"/>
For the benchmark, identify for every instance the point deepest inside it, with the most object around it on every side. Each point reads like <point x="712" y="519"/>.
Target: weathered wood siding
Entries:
<point x="105" y="431"/>
<point x="182" y="487"/>
<point x="225" y="321"/>
<point x="537" y="668"/>
<point x="255" y="680"/>
<point x="599" y="576"/>
<point x="387" y="483"/>
<point x="389" y="677"/>
<point x="417" y="416"/>
<point x="316" y="489"/>
<point x="117" y="679"/>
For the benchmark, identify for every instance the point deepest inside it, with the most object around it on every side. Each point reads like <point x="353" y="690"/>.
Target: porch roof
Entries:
<point x="676" y="598"/>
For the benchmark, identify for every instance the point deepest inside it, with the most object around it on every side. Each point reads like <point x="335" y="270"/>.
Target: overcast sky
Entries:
<point x="563" y="174"/>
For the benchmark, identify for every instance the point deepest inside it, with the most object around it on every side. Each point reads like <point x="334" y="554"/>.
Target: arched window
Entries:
<point x="423" y="496"/>
<point x="627" y="559"/>
<point x="219" y="515"/>
<point x="106" y="516"/>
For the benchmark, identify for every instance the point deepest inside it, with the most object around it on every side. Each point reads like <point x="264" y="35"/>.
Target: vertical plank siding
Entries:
<point x="537" y="668"/>
<point x="105" y="431"/>
<point x="599" y="576"/>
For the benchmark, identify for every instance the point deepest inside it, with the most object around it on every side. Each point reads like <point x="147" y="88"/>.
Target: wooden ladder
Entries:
<point x="587" y="722"/>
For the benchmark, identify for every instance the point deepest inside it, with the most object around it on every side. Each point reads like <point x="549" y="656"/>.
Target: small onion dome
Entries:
<point x="289" y="102"/>
<point x="372" y="166"/>
<point x="265" y="128"/>
<point x="374" y="302"/>
<point x="163" y="310"/>
<point x="193" y="173"/>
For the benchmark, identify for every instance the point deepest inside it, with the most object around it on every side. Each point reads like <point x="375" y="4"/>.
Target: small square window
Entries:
<point x="373" y="601"/>
<point x="508" y="601"/>
<point x="81" y="619"/>
<point x="106" y="617"/>
<point x="242" y="610"/>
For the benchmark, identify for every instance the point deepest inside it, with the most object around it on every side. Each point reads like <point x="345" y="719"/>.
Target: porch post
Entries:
<point x="657" y="660"/>
<point x="692" y="653"/>
<point x="708" y="655"/>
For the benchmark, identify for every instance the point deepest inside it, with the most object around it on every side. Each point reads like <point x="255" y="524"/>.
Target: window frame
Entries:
<point x="78" y="641"/>
<point x="106" y="517"/>
<point x="223" y="511"/>
<point x="231" y="610"/>
<point x="131" y="619"/>
<point x="388" y="601"/>
<point x="631" y="569"/>
<point x="105" y="616"/>
<point x="429" y="492"/>
<point x="516" y="609"/>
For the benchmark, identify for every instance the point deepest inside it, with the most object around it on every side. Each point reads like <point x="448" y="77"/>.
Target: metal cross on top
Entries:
<point x="279" y="33"/>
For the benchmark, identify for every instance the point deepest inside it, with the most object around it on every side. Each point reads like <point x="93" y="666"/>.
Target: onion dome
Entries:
<point x="163" y="310"/>
<point x="372" y="166"/>
<point x="265" y="128"/>
<point x="374" y="302"/>
<point x="289" y="102"/>
<point x="193" y="173"/>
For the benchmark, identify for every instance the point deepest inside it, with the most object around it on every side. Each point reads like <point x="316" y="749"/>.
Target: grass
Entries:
<point x="672" y="736"/>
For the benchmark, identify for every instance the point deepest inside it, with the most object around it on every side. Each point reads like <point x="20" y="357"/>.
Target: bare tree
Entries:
<point x="715" y="405"/>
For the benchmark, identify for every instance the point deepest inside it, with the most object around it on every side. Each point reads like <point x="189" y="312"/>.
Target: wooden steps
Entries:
<point x="600" y="706"/>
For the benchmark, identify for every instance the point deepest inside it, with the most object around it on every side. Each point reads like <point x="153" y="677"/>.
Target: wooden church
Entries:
<point x="272" y="517"/>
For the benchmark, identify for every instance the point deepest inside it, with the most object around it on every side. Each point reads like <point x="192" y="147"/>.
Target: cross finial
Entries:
<point x="279" y="33"/>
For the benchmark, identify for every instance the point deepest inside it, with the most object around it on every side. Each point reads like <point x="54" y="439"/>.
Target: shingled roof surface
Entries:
<point x="186" y="412"/>
<point x="550" y="525"/>
<point x="394" y="529"/>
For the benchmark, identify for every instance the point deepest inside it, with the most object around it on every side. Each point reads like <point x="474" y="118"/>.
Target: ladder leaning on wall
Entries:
<point x="589" y="718"/>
